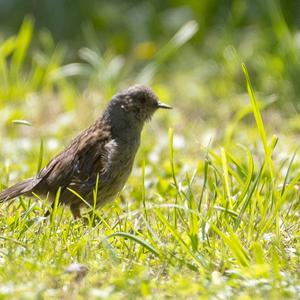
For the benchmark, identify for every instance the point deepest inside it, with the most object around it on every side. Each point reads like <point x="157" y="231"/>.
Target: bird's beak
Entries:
<point x="163" y="105"/>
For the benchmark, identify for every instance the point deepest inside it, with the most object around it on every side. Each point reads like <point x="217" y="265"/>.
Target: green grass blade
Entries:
<point x="226" y="177"/>
<point x="196" y="258"/>
<point x="288" y="171"/>
<point x="248" y="198"/>
<point x="249" y="175"/>
<point x="258" y="119"/>
<point x="41" y="155"/>
<point x="234" y="244"/>
<point x="22" y="43"/>
<point x="136" y="239"/>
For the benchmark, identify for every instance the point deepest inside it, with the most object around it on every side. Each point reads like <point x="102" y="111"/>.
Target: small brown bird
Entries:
<point x="105" y="150"/>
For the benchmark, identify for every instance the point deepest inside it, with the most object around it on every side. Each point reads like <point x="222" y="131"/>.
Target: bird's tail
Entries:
<point x="17" y="190"/>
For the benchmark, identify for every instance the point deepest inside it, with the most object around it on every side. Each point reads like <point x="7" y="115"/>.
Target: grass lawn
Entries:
<point x="211" y="210"/>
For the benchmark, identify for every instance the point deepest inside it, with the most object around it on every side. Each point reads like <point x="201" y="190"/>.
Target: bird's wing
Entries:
<point x="79" y="163"/>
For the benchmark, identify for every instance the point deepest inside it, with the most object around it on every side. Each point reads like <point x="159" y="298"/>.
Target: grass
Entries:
<point x="210" y="220"/>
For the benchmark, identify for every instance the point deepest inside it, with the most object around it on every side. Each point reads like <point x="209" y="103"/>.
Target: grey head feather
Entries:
<point x="130" y="109"/>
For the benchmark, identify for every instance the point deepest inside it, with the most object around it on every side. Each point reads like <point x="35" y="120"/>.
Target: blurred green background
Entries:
<point x="264" y="34"/>
<point x="61" y="61"/>
<point x="67" y="58"/>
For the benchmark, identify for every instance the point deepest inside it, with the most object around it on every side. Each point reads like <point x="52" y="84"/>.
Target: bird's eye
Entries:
<point x="143" y="99"/>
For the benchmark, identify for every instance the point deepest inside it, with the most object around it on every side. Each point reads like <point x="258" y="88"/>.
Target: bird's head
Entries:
<point x="138" y="102"/>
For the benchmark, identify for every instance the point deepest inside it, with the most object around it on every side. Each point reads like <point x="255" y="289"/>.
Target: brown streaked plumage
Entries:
<point x="106" y="149"/>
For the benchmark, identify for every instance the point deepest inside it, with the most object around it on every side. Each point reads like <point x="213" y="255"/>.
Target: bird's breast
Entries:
<point x="119" y="161"/>
<point x="117" y="170"/>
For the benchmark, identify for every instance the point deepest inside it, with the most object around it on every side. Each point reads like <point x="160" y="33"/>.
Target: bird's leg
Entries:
<point x="75" y="210"/>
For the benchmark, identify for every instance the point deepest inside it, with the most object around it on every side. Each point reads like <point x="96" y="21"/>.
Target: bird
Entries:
<point x="102" y="155"/>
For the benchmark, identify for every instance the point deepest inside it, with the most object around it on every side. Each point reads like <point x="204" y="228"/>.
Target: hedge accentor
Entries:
<point x="105" y="150"/>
